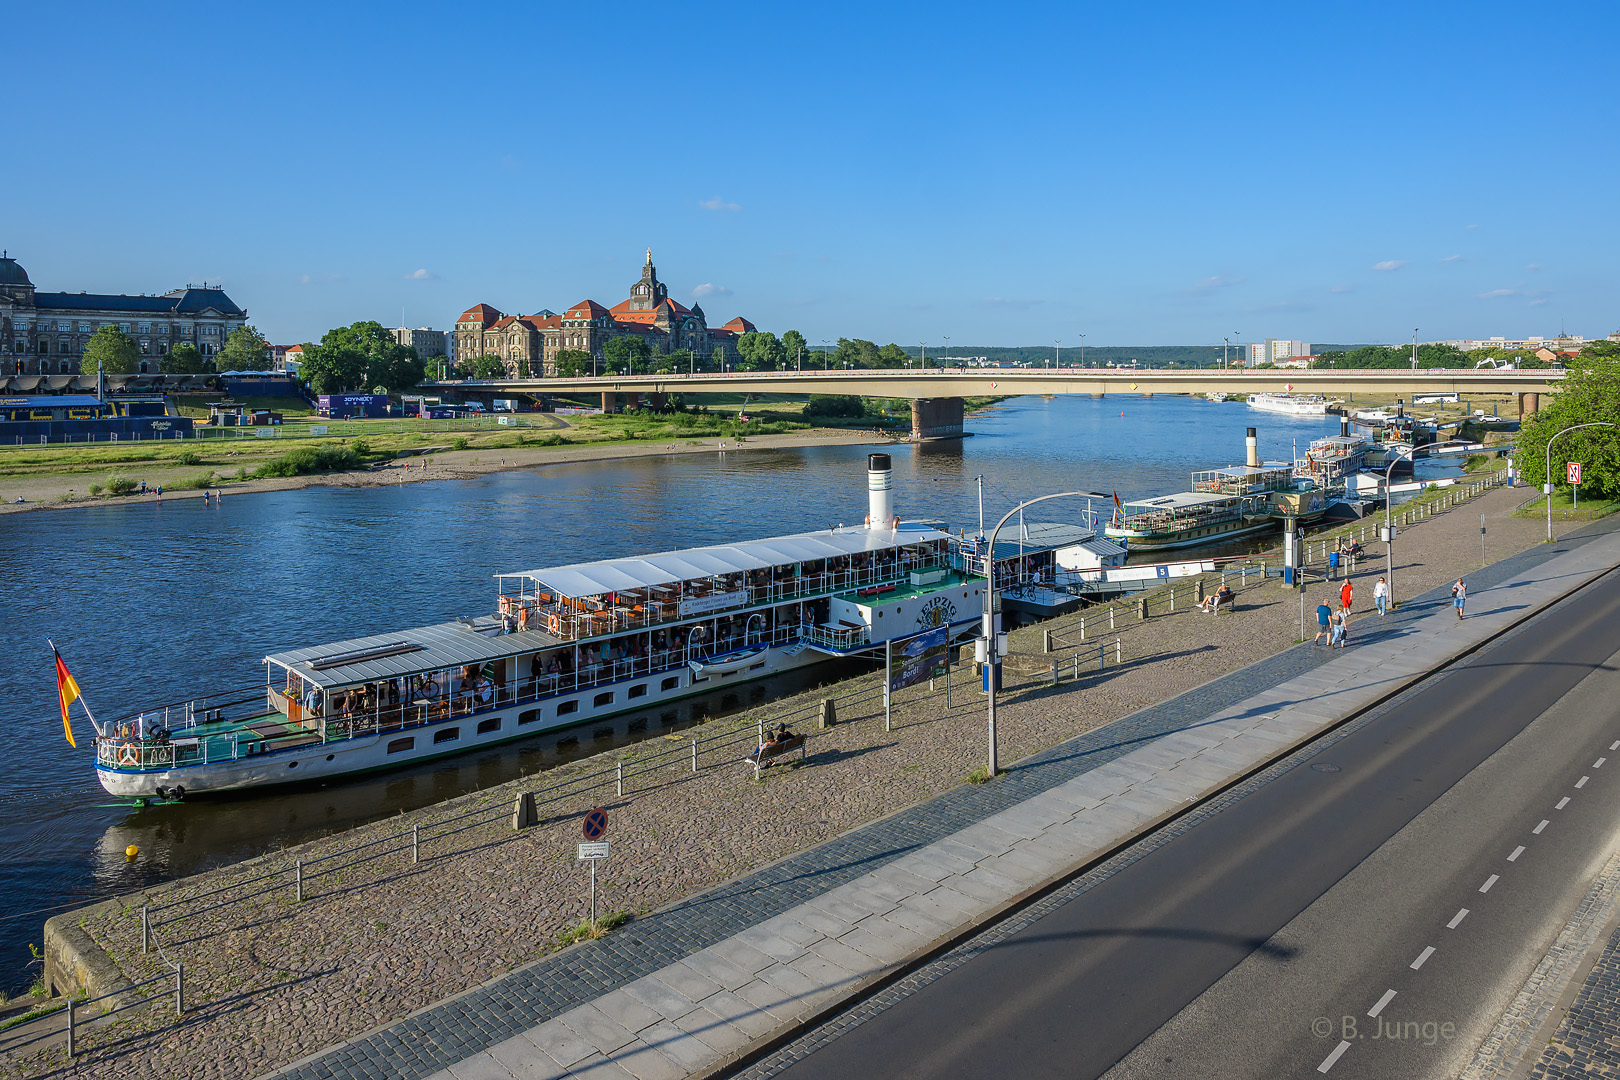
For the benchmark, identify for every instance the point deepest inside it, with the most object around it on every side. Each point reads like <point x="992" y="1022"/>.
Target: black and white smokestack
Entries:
<point x="1252" y="445"/>
<point x="879" y="493"/>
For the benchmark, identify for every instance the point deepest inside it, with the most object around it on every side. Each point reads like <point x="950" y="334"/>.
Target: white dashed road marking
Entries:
<point x="1338" y="1052"/>
<point x="1422" y="957"/>
<point x="1516" y="853"/>
<point x="1582" y="781"/>
<point x="1462" y="913"/>
<point x="1598" y="764"/>
<point x="1389" y="995"/>
<point x="1562" y="803"/>
<point x="1492" y="880"/>
<point x="1537" y="830"/>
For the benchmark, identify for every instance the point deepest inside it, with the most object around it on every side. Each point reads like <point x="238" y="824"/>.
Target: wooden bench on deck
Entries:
<point x="762" y="756"/>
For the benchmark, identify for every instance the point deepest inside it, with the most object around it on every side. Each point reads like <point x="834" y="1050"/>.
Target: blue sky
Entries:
<point x="1001" y="174"/>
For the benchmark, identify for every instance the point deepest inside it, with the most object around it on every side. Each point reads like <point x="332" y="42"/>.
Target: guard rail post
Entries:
<point x="71" y="1005"/>
<point x="415" y="843"/>
<point x="1056" y="678"/>
<point x="146" y="930"/>
<point x="1046" y="641"/>
<point x="180" y="988"/>
<point x="694" y="755"/>
<point x="618" y="769"/>
<point x="1117" y="652"/>
<point x="298" y="880"/>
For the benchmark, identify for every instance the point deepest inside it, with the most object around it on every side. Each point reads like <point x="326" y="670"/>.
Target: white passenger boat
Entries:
<point x="1290" y="404"/>
<point x="563" y="646"/>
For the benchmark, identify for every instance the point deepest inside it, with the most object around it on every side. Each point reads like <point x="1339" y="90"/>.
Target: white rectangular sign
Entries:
<point x="702" y="605"/>
<point x="595" y="850"/>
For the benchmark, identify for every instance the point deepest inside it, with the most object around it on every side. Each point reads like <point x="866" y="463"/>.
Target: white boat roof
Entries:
<point x="380" y="657"/>
<point x="664" y="568"/>
<point x="1183" y="499"/>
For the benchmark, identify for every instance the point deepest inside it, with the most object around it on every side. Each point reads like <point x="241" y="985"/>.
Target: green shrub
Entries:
<point x="241" y="472"/>
<point x="95" y="489"/>
<point x="188" y="457"/>
<point x="198" y="482"/>
<point x="119" y="484"/>
<point x="362" y="447"/>
<point x="303" y="460"/>
<point x="458" y="443"/>
<point x="552" y="440"/>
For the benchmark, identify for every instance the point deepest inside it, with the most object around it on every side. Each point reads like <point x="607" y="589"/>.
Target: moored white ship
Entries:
<point x="1290" y="404"/>
<point x="564" y="646"/>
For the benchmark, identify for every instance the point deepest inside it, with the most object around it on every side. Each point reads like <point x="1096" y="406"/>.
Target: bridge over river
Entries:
<point x="936" y="395"/>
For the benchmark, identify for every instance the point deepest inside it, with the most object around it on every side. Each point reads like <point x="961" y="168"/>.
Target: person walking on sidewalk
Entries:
<point x="1341" y="631"/>
<point x="1459" y="596"/>
<point x="1346" y="591"/>
<point x="1381" y="596"/>
<point x="1324" y="616"/>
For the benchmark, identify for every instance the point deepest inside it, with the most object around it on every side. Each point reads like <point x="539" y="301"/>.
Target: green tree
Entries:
<point x="112" y="352"/>
<point x="627" y="353"/>
<point x="488" y="367"/>
<point x="1589" y="393"/>
<point x="574" y="362"/>
<point x="244" y="350"/>
<point x="360" y="355"/>
<point x="185" y="360"/>
<point x="676" y="362"/>
<point x="718" y="360"/>
<point x="892" y="356"/>
<point x="760" y="351"/>
<point x="794" y="347"/>
<point x="839" y="405"/>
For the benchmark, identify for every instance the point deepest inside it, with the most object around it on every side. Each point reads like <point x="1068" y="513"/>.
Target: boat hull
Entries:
<point x="473" y="731"/>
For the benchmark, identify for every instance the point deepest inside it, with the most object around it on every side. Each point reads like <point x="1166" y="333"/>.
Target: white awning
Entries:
<point x="690" y="564"/>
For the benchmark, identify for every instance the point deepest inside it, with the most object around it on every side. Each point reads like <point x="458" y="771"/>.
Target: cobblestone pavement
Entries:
<point x="1588" y="1040"/>
<point x="270" y="981"/>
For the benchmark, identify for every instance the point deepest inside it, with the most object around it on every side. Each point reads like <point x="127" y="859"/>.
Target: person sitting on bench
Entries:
<point x="1214" y="600"/>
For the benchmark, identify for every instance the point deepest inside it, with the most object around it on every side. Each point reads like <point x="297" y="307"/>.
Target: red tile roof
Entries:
<point x="740" y="325"/>
<point x="549" y="322"/>
<point x="482" y="314"/>
<point x="586" y="309"/>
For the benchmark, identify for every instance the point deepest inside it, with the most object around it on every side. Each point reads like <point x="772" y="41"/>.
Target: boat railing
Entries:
<point x="571" y="619"/>
<point x="839" y="637"/>
<point x="191" y="712"/>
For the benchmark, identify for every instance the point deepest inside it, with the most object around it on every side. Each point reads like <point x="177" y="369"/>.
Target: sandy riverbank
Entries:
<point x="56" y="492"/>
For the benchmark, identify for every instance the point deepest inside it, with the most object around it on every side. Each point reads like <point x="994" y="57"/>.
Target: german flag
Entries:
<point x="1119" y="509"/>
<point x="67" y="692"/>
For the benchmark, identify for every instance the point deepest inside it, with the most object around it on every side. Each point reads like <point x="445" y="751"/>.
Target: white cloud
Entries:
<point x="420" y="275"/>
<point x="1214" y="282"/>
<point x="1452" y="258"/>
<point x="1389" y="264"/>
<point x="717" y="203"/>
<point x="1498" y="293"/>
<point x="1012" y="302"/>
<point x="709" y="289"/>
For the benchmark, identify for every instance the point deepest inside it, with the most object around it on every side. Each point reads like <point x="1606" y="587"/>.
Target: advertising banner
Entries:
<point x="919" y="658"/>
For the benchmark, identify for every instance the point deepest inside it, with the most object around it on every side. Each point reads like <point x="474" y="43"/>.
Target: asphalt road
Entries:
<point x="1226" y="952"/>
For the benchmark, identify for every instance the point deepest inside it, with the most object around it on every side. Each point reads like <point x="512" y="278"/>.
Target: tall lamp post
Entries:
<point x="1548" y="487"/>
<point x="1057" y="352"/>
<point x="989" y="626"/>
<point x="1389" y="527"/>
<point x="945" y="357"/>
<point x="1414" y="348"/>
<point x="1082" y="350"/>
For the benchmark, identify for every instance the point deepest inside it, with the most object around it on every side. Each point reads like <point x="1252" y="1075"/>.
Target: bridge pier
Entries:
<point x="610" y="401"/>
<point x="632" y="401"/>
<point x="659" y="401"/>
<point x="936" y="418"/>
<point x="1529" y="405"/>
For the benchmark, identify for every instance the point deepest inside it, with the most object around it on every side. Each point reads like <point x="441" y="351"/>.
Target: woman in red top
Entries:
<point x="1345" y="592"/>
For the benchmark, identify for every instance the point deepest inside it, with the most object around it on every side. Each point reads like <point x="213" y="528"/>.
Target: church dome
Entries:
<point x="11" y="273"/>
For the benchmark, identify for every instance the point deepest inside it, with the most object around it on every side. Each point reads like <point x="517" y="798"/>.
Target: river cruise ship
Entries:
<point x="1291" y="404"/>
<point x="1223" y="504"/>
<point x="561" y="646"/>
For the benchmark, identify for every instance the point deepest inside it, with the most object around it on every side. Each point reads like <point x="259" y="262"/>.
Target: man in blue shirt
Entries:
<point x="1323" y="615"/>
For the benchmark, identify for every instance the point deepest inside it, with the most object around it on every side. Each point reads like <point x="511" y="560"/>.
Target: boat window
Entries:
<point x="447" y="735"/>
<point x="530" y="717"/>
<point x="567" y="707"/>
<point x="603" y="699"/>
<point x="399" y="746"/>
<point x="639" y="690"/>
<point x="487" y="726"/>
<point x="671" y="683"/>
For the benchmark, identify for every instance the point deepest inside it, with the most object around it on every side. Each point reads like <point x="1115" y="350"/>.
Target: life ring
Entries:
<point x="554" y="622"/>
<point x="129" y="754"/>
<point x="523" y="619"/>
<point x="506" y="605"/>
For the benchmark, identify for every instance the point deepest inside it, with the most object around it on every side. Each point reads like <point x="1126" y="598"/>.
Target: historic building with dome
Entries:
<point x="535" y="340"/>
<point x="43" y="333"/>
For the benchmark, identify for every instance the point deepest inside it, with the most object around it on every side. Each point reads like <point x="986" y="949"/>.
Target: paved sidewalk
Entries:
<point x="690" y="989"/>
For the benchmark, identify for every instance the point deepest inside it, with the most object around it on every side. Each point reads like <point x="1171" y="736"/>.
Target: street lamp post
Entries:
<point x="1389" y="526"/>
<point x="1082" y="350"/>
<point x="1414" y="348"/>
<point x="989" y="626"/>
<point x="1548" y="486"/>
<point x="1057" y="352"/>
<point x="947" y="354"/>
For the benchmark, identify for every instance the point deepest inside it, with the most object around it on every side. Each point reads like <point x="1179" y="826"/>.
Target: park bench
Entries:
<point x="763" y="755"/>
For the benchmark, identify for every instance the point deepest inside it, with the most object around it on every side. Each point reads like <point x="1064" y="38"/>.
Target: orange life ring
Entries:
<point x="506" y="605"/>
<point x="129" y="754"/>
<point x="554" y="622"/>
<point x="523" y="619"/>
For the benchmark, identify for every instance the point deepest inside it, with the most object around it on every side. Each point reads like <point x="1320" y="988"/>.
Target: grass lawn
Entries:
<point x="1563" y="509"/>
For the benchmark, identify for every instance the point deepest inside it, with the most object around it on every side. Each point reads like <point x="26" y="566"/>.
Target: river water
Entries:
<point x="153" y="603"/>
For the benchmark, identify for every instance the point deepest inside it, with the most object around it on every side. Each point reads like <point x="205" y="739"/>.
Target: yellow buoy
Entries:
<point x="131" y="851"/>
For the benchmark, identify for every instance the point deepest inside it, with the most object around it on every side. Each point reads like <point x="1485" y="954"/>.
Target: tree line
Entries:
<point x="1434" y="355"/>
<point x="113" y="352"/>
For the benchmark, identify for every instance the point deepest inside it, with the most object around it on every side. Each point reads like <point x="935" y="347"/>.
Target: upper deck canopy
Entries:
<point x="691" y="564"/>
<point x="380" y="657"/>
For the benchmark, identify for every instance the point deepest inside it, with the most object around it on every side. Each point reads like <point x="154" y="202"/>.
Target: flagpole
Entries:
<point x="83" y="704"/>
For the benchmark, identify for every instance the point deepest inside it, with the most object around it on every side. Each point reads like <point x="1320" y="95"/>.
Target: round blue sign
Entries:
<point x="595" y="824"/>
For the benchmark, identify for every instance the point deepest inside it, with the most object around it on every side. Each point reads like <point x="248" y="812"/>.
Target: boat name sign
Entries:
<point x="700" y="605"/>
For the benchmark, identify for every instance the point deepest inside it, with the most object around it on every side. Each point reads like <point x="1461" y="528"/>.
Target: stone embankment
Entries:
<point x="271" y="979"/>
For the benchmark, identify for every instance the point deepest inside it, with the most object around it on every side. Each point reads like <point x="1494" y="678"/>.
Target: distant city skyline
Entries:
<point x="844" y="171"/>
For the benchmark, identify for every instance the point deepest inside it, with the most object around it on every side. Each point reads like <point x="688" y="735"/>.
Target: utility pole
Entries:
<point x="1414" y="348"/>
<point x="1082" y="350"/>
<point x="1057" y="352"/>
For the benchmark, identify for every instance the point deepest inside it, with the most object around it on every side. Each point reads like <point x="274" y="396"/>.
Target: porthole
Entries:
<point x="329" y="757"/>
<point x="292" y="764"/>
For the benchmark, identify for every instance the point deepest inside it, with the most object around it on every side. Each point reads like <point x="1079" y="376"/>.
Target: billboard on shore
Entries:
<point x="919" y="658"/>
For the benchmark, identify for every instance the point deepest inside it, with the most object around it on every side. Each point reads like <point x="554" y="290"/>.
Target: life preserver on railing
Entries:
<point x="523" y="619"/>
<point x="129" y="754"/>
<point x="554" y="622"/>
<point x="506" y="605"/>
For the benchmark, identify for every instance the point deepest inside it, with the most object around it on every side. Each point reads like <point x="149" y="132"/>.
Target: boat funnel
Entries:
<point x="1252" y="445"/>
<point x="879" y="495"/>
<point x="1344" y="425"/>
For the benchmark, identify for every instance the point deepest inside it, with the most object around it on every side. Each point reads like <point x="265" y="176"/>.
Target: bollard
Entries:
<point x="694" y="755"/>
<point x="618" y="768"/>
<point x="1110" y="616"/>
<point x="70" y="1027"/>
<point x="1116" y="652"/>
<point x="298" y="880"/>
<point x="761" y="731"/>
<point x="1200" y="590"/>
<point x="1141" y="608"/>
<point x="1056" y="678"/>
<point x="415" y="845"/>
<point x="1172" y="600"/>
<point x="829" y="712"/>
<point x="1102" y="661"/>
<point x="1076" y="665"/>
<point x="1046" y="641"/>
<point x="146" y="930"/>
<point x="180" y="988"/>
<point x="1243" y="577"/>
<point x="1082" y="628"/>
<point x="523" y="815"/>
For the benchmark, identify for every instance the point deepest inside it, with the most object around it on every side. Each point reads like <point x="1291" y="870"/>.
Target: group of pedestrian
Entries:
<point x="1335" y="625"/>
